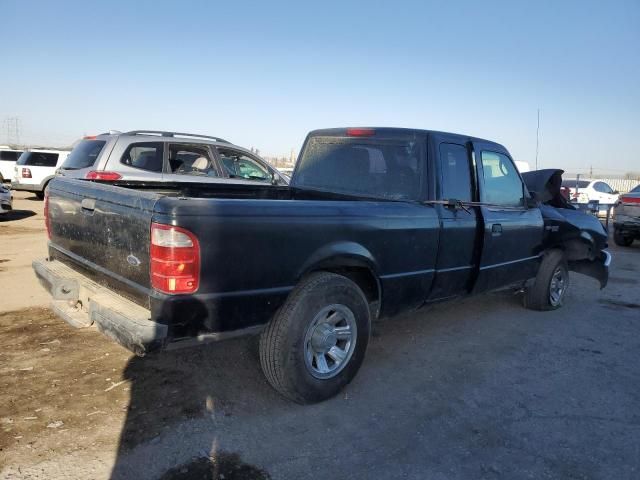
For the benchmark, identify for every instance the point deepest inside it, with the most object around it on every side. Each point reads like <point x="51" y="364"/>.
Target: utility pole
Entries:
<point x="12" y="128"/>
<point x="591" y="171"/>
<point x="537" y="139"/>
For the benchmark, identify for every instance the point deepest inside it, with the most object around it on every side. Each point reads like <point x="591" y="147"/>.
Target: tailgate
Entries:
<point x="104" y="230"/>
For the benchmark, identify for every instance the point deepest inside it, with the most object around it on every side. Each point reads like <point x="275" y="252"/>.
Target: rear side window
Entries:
<point x="84" y="154"/>
<point x="502" y="184"/>
<point x="8" y="156"/>
<point x="145" y="156"/>
<point x="191" y="160"/>
<point x="38" y="159"/>
<point x="456" y="173"/>
<point x="387" y="167"/>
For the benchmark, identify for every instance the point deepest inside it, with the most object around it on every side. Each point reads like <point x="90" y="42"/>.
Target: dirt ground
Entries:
<point x="480" y="388"/>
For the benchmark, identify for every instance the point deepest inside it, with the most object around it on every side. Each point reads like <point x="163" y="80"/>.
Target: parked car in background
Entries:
<point x="35" y="168"/>
<point x="5" y="199"/>
<point x="585" y="191"/>
<point x="626" y="218"/>
<point x="8" y="158"/>
<point x="149" y="155"/>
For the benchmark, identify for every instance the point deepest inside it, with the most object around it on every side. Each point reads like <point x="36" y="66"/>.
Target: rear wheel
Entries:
<point x="40" y="195"/>
<point x="620" y="239"/>
<point x="551" y="283"/>
<point x="316" y="343"/>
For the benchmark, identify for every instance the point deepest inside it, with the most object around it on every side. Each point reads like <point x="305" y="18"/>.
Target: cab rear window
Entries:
<point x="84" y="154"/>
<point x="389" y="166"/>
<point x="38" y="159"/>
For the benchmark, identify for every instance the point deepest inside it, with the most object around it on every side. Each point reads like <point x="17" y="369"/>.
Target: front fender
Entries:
<point x="597" y="268"/>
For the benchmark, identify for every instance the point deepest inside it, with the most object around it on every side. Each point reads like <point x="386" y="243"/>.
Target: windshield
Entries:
<point x="636" y="189"/>
<point x="388" y="166"/>
<point x="574" y="183"/>
<point x="38" y="159"/>
<point x="84" y="154"/>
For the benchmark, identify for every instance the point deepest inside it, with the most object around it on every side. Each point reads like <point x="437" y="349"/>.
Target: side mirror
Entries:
<point x="616" y="192"/>
<point x="532" y="200"/>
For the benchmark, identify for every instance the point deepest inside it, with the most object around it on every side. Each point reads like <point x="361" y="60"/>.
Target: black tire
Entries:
<point x="40" y="195"/>
<point x="284" y="341"/>
<point x="620" y="239"/>
<point x="539" y="295"/>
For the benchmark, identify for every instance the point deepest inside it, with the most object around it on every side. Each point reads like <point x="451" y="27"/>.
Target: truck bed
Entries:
<point x="255" y="243"/>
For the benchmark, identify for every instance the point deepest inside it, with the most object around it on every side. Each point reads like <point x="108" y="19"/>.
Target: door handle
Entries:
<point x="88" y="204"/>
<point x="496" y="229"/>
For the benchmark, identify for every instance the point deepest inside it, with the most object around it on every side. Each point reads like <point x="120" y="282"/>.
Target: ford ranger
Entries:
<point x="375" y="221"/>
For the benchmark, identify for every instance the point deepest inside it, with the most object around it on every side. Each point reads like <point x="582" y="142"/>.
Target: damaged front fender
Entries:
<point x="597" y="268"/>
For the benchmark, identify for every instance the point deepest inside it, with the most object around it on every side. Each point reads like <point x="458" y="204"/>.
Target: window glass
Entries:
<point x="604" y="188"/>
<point x="456" y="173"/>
<point x="9" y="156"/>
<point x="84" y="154"/>
<point x="238" y="165"/>
<point x="145" y="156"/>
<point x="191" y="160"/>
<point x="502" y="184"/>
<point x="387" y="167"/>
<point x="38" y="159"/>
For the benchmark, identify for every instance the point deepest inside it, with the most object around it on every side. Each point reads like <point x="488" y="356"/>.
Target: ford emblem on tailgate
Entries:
<point x="133" y="260"/>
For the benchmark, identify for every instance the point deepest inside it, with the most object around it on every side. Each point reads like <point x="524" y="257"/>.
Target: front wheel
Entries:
<point x="620" y="239"/>
<point x="316" y="343"/>
<point x="551" y="283"/>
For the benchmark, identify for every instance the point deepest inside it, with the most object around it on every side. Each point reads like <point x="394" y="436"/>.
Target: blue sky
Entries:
<point x="262" y="74"/>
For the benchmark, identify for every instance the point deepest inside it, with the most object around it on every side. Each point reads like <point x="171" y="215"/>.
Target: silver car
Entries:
<point x="5" y="198"/>
<point x="150" y="155"/>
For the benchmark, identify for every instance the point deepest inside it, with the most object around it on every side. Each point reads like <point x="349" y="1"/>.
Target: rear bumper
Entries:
<point x="82" y="302"/>
<point x="627" y="223"/>
<point x="26" y="187"/>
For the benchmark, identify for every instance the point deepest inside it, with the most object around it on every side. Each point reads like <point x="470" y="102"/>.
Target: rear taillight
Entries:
<point x="175" y="259"/>
<point x="109" y="176"/>
<point x="624" y="199"/>
<point x="47" y="221"/>
<point x="26" y="173"/>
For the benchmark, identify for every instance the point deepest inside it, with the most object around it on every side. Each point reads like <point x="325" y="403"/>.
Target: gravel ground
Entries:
<point x="479" y="388"/>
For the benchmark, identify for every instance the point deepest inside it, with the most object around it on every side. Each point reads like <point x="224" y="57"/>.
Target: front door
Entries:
<point x="512" y="233"/>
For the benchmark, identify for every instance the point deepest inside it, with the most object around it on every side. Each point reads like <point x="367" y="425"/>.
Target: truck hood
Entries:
<point x="563" y="222"/>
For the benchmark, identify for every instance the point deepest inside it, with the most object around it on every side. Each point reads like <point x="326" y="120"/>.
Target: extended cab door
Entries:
<point x="459" y="240"/>
<point x="512" y="233"/>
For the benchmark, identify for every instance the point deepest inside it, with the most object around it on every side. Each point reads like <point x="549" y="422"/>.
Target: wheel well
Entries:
<point x="361" y="276"/>
<point x="576" y="249"/>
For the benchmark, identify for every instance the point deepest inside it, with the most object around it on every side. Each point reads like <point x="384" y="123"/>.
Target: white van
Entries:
<point x="35" y="168"/>
<point x="8" y="158"/>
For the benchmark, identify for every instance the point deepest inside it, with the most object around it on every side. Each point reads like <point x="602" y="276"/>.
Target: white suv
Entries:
<point x="35" y="168"/>
<point x="8" y="158"/>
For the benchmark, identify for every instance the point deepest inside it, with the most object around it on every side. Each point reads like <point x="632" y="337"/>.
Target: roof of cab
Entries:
<point x="343" y="132"/>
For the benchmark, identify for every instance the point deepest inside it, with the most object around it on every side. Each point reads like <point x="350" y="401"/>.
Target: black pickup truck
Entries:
<point x="376" y="221"/>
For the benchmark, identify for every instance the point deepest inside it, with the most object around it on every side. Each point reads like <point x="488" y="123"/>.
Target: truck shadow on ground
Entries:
<point x="16" y="215"/>
<point x="224" y="382"/>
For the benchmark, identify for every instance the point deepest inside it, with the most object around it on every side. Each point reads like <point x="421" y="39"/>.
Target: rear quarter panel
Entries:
<point x="254" y="252"/>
